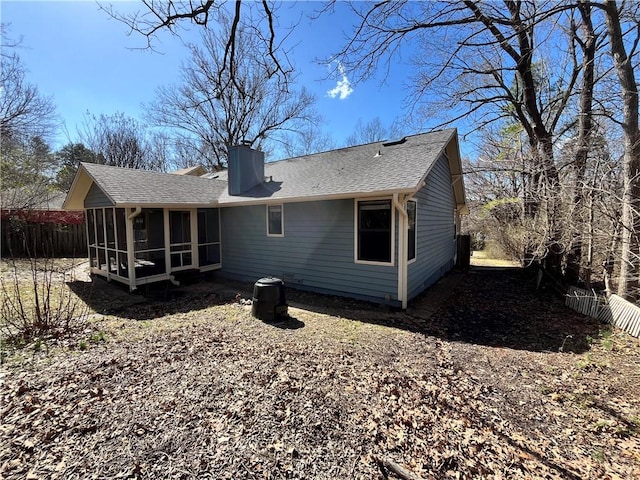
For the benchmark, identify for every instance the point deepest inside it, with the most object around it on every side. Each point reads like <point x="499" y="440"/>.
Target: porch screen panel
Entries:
<point x="100" y="226"/>
<point x="148" y="235"/>
<point x="121" y="242"/>
<point x="208" y="236"/>
<point x="91" y="237"/>
<point x="180" y="238"/>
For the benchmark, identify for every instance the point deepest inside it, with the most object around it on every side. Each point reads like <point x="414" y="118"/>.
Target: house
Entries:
<point x="33" y="222"/>
<point x="376" y="222"/>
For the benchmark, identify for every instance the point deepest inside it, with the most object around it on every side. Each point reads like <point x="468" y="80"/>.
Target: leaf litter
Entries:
<point x="214" y="393"/>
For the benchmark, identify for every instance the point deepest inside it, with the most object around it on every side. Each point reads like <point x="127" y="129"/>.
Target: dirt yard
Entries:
<point x="501" y="382"/>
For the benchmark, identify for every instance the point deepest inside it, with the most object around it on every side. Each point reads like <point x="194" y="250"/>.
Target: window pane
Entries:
<point x="102" y="259"/>
<point x="209" y="255"/>
<point x="208" y="226"/>
<point x="123" y="269"/>
<point x="411" y="220"/>
<point x="111" y="232"/>
<point x="374" y="233"/>
<point x="148" y="230"/>
<point x="112" y="261"/>
<point x="149" y="263"/>
<point x="140" y="232"/>
<point x="275" y="220"/>
<point x="156" y="228"/>
<point x="100" y="226"/>
<point x="91" y="227"/>
<point x="202" y="226"/>
<point x="93" y="262"/>
<point x="180" y="224"/>
<point x="122" y="229"/>
<point x="375" y="215"/>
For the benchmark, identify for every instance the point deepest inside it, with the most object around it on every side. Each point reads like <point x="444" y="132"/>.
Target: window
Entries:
<point x="411" y="230"/>
<point x="208" y="236"/>
<point x="275" y="221"/>
<point x="374" y="232"/>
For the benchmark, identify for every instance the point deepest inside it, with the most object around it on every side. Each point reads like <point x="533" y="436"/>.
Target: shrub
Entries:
<point x="35" y="304"/>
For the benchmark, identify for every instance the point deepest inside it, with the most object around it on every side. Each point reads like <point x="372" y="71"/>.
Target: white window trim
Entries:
<point x="193" y="231"/>
<point x="409" y="262"/>
<point x="269" y="234"/>
<point x="356" y="229"/>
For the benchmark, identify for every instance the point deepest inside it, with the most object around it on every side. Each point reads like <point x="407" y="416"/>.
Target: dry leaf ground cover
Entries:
<point x="501" y="382"/>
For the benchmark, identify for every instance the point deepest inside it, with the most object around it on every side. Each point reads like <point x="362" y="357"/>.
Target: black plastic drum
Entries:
<point x="269" y="301"/>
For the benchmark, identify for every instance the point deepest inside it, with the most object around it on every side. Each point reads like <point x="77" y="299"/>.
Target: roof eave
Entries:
<point x="263" y="201"/>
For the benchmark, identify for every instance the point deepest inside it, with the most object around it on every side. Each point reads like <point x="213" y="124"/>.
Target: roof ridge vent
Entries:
<point x="396" y="142"/>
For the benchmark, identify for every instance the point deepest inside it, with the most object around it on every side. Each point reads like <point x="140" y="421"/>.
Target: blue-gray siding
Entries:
<point x="436" y="246"/>
<point x="316" y="252"/>
<point x="96" y="198"/>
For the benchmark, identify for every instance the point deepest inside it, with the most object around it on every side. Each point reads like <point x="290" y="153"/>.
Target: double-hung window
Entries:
<point x="411" y="230"/>
<point x="374" y="235"/>
<point x="275" y="220"/>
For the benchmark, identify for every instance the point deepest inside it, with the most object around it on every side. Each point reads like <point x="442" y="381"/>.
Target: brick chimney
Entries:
<point x="245" y="168"/>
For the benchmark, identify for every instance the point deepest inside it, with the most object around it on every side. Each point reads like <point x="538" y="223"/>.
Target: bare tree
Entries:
<point x="625" y="69"/>
<point x="24" y="111"/>
<point x="372" y="131"/>
<point x="210" y="114"/>
<point x="159" y="15"/>
<point x="27" y="122"/>
<point x="120" y="141"/>
<point x="305" y="141"/>
<point x="485" y="62"/>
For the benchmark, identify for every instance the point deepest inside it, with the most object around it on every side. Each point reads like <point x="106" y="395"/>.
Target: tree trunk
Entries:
<point x="630" y="256"/>
<point x="585" y="127"/>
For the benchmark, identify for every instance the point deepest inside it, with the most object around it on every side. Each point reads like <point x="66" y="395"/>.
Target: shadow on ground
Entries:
<point x="496" y="307"/>
<point x="148" y="301"/>
<point x="502" y="308"/>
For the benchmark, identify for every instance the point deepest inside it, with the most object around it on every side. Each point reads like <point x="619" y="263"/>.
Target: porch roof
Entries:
<point x="127" y="186"/>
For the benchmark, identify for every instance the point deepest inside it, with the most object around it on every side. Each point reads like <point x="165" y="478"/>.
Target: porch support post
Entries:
<point x="195" y="260"/>
<point x="167" y="242"/>
<point x="400" y="204"/>
<point x="131" y="257"/>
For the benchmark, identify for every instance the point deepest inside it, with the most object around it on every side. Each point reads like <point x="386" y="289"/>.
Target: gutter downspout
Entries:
<point x="400" y="204"/>
<point x="131" y="259"/>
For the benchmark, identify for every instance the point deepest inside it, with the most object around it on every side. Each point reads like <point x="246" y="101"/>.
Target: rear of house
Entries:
<point x="376" y="222"/>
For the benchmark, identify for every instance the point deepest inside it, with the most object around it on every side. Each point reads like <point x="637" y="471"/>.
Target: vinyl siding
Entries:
<point x="316" y="252"/>
<point x="435" y="225"/>
<point x="96" y="198"/>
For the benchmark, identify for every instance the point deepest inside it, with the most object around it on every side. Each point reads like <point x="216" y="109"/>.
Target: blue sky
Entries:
<point x="87" y="62"/>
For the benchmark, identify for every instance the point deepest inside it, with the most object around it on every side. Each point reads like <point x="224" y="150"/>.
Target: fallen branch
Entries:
<point x="398" y="470"/>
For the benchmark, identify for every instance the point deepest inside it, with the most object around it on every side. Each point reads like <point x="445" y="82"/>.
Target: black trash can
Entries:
<point x="269" y="301"/>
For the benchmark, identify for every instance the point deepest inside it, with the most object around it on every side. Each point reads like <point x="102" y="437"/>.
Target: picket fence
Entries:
<point x="614" y="309"/>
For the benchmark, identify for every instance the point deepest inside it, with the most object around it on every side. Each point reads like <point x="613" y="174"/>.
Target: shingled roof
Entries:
<point x="374" y="168"/>
<point x="130" y="187"/>
<point x="380" y="167"/>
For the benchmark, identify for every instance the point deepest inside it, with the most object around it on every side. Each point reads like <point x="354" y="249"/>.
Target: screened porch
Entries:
<point x="135" y="246"/>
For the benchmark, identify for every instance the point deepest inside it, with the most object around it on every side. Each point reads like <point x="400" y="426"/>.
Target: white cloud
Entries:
<point x="343" y="86"/>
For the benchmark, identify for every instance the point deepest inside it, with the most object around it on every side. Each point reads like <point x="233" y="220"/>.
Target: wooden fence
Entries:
<point x="43" y="239"/>
<point x="614" y="309"/>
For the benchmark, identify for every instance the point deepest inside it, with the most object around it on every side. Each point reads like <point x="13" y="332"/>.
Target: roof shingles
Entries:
<point x="370" y="168"/>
